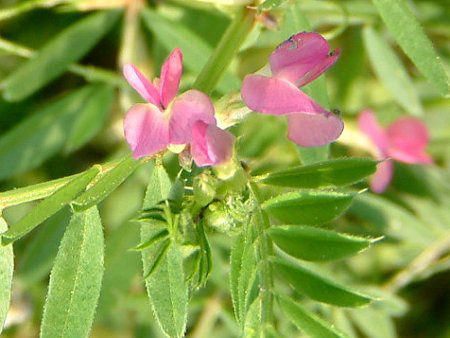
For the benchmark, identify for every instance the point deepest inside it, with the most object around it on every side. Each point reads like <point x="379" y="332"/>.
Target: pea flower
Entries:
<point x="167" y="119"/>
<point x="404" y="140"/>
<point x="295" y="63"/>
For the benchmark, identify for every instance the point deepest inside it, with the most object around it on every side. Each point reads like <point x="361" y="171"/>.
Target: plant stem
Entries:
<point x="89" y="73"/>
<point x="264" y="251"/>
<point x="228" y="46"/>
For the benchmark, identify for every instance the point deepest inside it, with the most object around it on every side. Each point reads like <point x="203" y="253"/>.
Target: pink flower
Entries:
<point x="169" y="119"/>
<point x="295" y="63"/>
<point x="404" y="140"/>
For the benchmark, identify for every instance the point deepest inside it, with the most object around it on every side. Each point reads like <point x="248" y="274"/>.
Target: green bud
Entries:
<point x="204" y="189"/>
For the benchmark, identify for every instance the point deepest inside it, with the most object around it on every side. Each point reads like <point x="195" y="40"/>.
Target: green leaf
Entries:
<point x="91" y="118"/>
<point x="49" y="206"/>
<point x="76" y="279"/>
<point x="404" y="26"/>
<point x="338" y="172"/>
<point x="106" y="184"/>
<point x="166" y="285"/>
<point x="308" y="207"/>
<point x="37" y="259"/>
<point x="53" y="59"/>
<point x="391" y="72"/>
<point x="306" y="321"/>
<point x="41" y="135"/>
<point x="253" y="321"/>
<point x="315" y="244"/>
<point x="168" y="293"/>
<point x="374" y="323"/>
<point x="6" y="273"/>
<point x="195" y="51"/>
<point x="242" y="276"/>
<point x="317" y="287"/>
<point x="268" y="5"/>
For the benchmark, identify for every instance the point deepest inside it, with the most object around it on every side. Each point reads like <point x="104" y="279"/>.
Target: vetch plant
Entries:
<point x="202" y="219"/>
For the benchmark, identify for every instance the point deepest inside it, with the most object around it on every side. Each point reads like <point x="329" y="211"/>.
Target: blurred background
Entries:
<point x="58" y="123"/>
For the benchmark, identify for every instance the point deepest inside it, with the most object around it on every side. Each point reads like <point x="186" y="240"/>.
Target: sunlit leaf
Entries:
<point x="338" y="172"/>
<point x="6" y="273"/>
<point x="49" y="206"/>
<point x="315" y="244"/>
<point x="308" y="207"/>
<point x="106" y="184"/>
<point x="306" y="321"/>
<point x="407" y="31"/>
<point x="76" y="278"/>
<point x="53" y="59"/>
<point x="374" y="323"/>
<point x="391" y="72"/>
<point x="91" y="118"/>
<point x="318" y="287"/>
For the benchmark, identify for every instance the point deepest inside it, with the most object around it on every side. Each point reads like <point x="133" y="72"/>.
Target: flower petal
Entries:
<point x="146" y="130"/>
<point x="408" y="138"/>
<point x="141" y="84"/>
<point x="210" y="144"/>
<point x="169" y="82"/>
<point x="313" y="130"/>
<point x="382" y="176"/>
<point x="186" y="109"/>
<point x="302" y="58"/>
<point x="270" y="95"/>
<point x="369" y="125"/>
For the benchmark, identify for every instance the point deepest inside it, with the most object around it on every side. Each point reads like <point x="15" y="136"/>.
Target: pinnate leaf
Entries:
<point x="308" y="207"/>
<point x="6" y="273"/>
<point x="317" y="287"/>
<point x="76" y="279"/>
<point x="337" y="172"/>
<point x="315" y="244"/>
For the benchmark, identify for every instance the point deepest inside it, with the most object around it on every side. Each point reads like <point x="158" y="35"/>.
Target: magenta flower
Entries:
<point x="404" y="140"/>
<point x="295" y="63"/>
<point x="168" y="119"/>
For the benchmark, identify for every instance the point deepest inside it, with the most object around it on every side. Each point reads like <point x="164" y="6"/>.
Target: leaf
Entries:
<point x="37" y="259"/>
<point x="166" y="285"/>
<point x="6" y="274"/>
<point x="168" y="293"/>
<point x="306" y="321"/>
<point x="408" y="33"/>
<point x="49" y="206"/>
<point x="155" y="238"/>
<point x="317" y="287"/>
<point x="242" y="275"/>
<point x="268" y="5"/>
<point x="76" y="278"/>
<point x="53" y="59"/>
<point x="315" y="244"/>
<point x="195" y="51"/>
<point x="41" y="135"/>
<point x="92" y="117"/>
<point x="338" y="172"/>
<point x="391" y="72"/>
<point x="253" y="321"/>
<point x="308" y="207"/>
<point x="106" y="184"/>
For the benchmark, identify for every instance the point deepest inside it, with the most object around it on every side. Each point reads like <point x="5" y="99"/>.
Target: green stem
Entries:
<point x="89" y="73"/>
<point x="228" y="46"/>
<point x="264" y="251"/>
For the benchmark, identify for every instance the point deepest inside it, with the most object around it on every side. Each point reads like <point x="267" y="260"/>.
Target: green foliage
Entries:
<point x="338" y="172"/>
<point x="308" y="207"/>
<point x="76" y="279"/>
<point x="54" y="58"/>
<point x="315" y="244"/>
<point x="400" y="20"/>
<point x="6" y="274"/>
<point x="391" y="72"/>
<point x="307" y="322"/>
<point x="49" y="206"/>
<point x="318" y="287"/>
